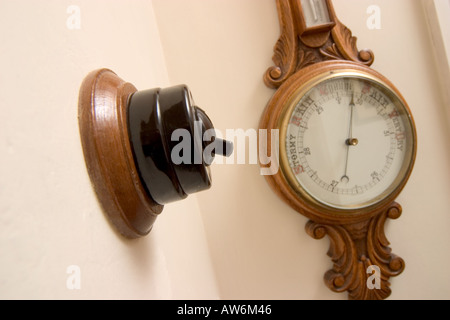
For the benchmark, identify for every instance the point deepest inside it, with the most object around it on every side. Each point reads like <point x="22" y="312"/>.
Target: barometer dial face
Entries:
<point x="348" y="140"/>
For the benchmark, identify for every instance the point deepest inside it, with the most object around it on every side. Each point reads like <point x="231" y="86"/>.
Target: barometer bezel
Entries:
<point x="277" y="116"/>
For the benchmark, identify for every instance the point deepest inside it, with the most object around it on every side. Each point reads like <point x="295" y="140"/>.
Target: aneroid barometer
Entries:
<point x="347" y="144"/>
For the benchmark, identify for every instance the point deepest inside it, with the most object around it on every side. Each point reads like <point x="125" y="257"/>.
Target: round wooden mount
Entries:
<point x="102" y="115"/>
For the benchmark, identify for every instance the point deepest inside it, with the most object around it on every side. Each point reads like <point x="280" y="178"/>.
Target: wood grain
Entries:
<point x="102" y="115"/>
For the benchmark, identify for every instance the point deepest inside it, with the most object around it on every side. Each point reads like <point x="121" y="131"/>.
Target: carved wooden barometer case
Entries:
<point x="347" y="144"/>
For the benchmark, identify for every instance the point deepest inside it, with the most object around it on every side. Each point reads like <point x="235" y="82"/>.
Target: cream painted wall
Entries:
<point x="221" y="48"/>
<point x="49" y="216"/>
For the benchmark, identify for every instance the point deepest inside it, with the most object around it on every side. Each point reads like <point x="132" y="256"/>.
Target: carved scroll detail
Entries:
<point x="285" y="57"/>
<point x="332" y="53"/>
<point x="306" y="58"/>
<point x="346" y="44"/>
<point x="354" y="248"/>
<point x="293" y="52"/>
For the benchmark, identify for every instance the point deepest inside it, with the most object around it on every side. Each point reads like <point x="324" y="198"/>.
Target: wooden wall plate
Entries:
<point x="102" y="115"/>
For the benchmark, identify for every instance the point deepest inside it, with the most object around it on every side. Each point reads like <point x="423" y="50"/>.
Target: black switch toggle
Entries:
<point x="173" y="143"/>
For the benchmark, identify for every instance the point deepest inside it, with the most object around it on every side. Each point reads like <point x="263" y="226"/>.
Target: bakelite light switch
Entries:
<point x="144" y="149"/>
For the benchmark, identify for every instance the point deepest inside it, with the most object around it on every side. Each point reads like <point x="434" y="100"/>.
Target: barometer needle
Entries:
<point x="350" y="141"/>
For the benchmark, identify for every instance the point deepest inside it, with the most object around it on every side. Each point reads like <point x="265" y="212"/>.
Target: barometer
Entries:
<point x="347" y="144"/>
